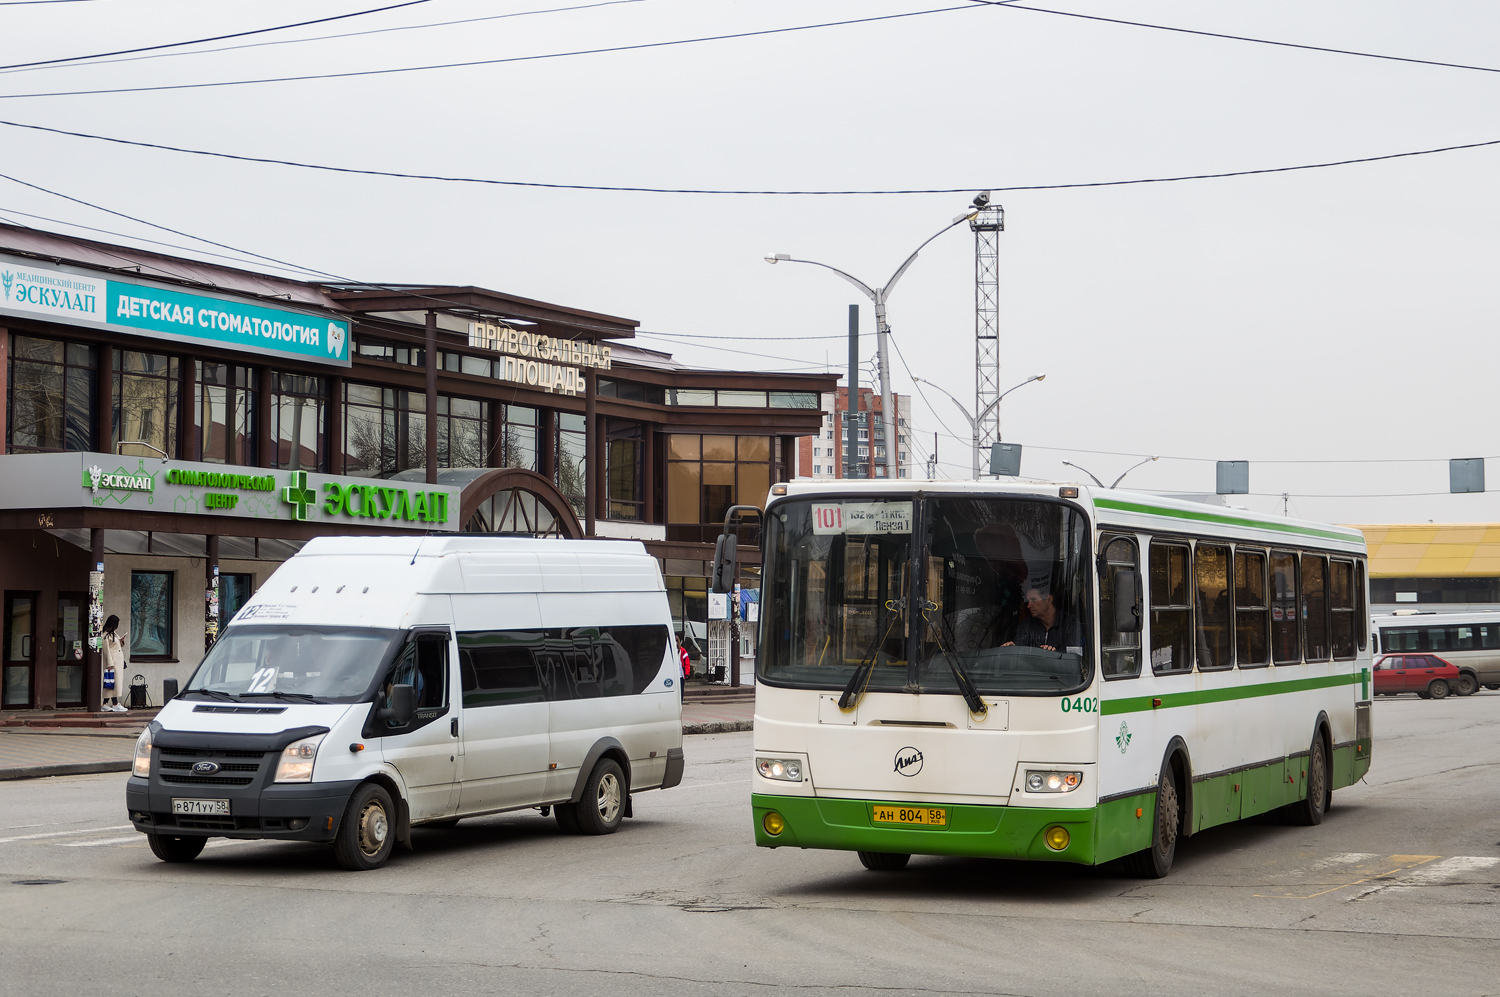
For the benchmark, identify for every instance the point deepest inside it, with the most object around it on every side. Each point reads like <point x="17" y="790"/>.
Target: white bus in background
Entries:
<point x="1048" y="672"/>
<point x="375" y="684"/>
<point x="1470" y="641"/>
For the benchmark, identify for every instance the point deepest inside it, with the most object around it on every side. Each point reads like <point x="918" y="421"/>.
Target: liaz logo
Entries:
<point x="908" y="761"/>
<point x="7" y="278"/>
<point x="1123" y="738"/>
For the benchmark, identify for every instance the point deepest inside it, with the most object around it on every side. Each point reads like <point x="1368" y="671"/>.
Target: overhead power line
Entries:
<point x="608" y="188"/>
<point x="496" y="62"/>
<point x="103" y="61"/>
<point x="214" y="38"/>
<point x="1245" y="38"/>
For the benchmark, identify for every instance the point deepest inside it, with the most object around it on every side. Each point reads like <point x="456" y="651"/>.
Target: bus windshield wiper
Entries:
<point x="960" y="676"/>
<point x="224" y="696"/>
<point x="860" y="678"/>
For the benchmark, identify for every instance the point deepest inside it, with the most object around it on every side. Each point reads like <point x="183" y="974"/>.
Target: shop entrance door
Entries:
<point x="68" y="637"/>
<point x="19" y="652"/>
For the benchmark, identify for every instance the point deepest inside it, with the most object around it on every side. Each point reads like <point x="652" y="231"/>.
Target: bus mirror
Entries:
<point x="725" y="549"/>
<point x="1127" y="601"/>
<point x="403" y="705"/>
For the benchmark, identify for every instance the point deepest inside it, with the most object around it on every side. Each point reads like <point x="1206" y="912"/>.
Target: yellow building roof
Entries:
<point x="1433" y="550"/>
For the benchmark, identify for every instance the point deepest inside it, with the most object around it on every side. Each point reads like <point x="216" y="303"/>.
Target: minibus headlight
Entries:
<point x="141" y="766"/>
<point x="1046" y="781"/>
<point x="780" y="769"/>
<point x="296" y="764"/>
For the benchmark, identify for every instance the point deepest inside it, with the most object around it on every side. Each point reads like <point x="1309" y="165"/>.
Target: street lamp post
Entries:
<point x="975" y="422"/>
<point x="1121" y="478"/>
<point x="880" y="295"/>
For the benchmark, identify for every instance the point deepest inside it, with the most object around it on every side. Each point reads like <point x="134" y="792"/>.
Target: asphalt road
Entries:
<point x="1398" y="892"/>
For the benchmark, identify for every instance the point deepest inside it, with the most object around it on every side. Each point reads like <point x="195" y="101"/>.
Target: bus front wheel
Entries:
<point x="1467" y="684"/>
<point x="1156" y="861"/>
<point x="884" y="861"/>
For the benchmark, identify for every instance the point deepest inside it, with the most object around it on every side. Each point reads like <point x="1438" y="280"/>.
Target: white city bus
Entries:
<point x="1048" y="672"/>
<point x="1471" y="641"/>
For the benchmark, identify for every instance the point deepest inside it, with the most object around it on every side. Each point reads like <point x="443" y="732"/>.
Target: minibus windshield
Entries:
<point x="295" y="664"/>
<point x="899" y="594"/>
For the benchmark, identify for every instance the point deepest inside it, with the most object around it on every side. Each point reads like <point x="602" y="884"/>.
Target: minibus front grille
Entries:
<point x="206" y="780"/>
<point x="186" y="767"/>
<point x="202" y="822"/>
<point x="209" y="753"/>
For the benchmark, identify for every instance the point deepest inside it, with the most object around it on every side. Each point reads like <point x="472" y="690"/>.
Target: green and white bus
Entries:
<point x="1048" y="672"/>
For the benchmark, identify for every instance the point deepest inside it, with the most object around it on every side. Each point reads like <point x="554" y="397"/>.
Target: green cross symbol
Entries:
<point x="299" y="496"/>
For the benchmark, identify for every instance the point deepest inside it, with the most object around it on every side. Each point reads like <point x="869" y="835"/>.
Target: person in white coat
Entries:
<point x="115" y="645"/>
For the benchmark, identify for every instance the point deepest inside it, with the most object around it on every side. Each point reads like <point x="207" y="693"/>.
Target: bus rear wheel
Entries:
<point x="1492" y="686"/>
<point x="1309" y="812"/>
<point x="1156" y="861"/>
<point x="884" y="861"/>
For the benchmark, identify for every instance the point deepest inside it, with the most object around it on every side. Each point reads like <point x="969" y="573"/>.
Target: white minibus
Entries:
<point x="376" y="684"/>
<point x="1471" y="641"/>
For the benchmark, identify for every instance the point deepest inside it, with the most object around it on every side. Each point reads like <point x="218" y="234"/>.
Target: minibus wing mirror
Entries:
<point x="726" y="548"/>
<point x="1127" y="601"/>
<point x="403" y="705"/>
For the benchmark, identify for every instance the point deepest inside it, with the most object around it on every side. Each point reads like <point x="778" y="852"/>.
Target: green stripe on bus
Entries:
<point x="1222" y="520"/>
<point x="1139" y="704"/>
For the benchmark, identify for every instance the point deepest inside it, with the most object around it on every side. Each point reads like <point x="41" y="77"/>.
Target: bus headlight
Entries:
<point x="1047" y="781"/>
<point x="296" y="764"/>
<point x="780" y="769"/>
<point x="141" y="766"/>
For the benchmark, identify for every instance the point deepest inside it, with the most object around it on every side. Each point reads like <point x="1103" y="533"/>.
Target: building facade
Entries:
<point x="1433" y="567"/>
<point x="826" y="454"/>
<point x="174" y="430"/>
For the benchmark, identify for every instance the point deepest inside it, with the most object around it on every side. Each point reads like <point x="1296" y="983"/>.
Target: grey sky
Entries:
<point x="1318" y="316"/>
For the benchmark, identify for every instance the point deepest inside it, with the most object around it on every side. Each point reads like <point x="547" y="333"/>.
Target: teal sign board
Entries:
<point x="77" y="297"/>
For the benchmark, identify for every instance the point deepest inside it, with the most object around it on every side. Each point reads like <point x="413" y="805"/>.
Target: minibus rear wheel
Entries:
<point x="602" y="807"/>
<point x="367" y="833"/>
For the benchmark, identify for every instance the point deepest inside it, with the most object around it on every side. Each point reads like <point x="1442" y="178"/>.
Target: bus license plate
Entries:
<point x="210" y="808"/>
<point x="930" y="816"/>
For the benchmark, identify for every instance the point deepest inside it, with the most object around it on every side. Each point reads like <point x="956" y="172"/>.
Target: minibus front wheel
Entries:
<point x="367" y="832"/>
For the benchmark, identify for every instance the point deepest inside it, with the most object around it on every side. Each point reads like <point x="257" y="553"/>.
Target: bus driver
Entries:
<point x="1047" y="627"/>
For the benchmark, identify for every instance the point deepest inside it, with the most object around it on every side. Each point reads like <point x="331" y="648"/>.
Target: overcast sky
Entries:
<point x="1309" y="322"/>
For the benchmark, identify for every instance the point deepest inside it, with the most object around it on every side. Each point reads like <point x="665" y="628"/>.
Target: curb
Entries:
<point x="72" y="768"/>
<point x="719" y="727"/>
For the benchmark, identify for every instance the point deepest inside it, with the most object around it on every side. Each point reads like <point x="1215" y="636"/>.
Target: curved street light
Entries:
<point x="974" y="421"/>
<point x="880" y="295"/>
<point x="1121" y="478"/>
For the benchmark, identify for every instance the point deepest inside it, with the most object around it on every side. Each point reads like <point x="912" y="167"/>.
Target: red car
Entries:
<point x="1427" y="675"/>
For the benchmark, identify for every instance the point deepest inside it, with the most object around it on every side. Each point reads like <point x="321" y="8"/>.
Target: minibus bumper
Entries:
<point x="984" y="831"/>
<point x="282" y="811"/>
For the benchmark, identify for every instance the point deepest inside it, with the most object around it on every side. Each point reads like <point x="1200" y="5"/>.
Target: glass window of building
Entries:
<point x="151" y="614"/>
<point x="145" y="403"/>
<point x="571" y="454"/>
<point x="52" y="392"/>
<point x="299" y="421"/>
<point x="385" y="431"/>
<point x="224" y="413"/>
<point x="463" y="432"/>
<point x="20" y="649"/>
<point x="708" y="474"/>
<point x="622" y="470"/>
<point x="517" y="446"/>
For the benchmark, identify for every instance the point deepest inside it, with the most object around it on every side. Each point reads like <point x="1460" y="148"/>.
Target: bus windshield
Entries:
<point x="911" y="590"/>
<point x="309" y="664"/>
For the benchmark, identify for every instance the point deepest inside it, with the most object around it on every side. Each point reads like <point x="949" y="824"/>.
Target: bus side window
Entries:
<point x="1315" y="607"/>
<point x="1251" y="612"/>
<point x="1361" y="617"/>
<point x="1122" y="649"/>
<point x="1341" y="609"/>
<point x="1284" y="646"/>
<point x="1171" y="615"/>
<point x="1211" y="573"/>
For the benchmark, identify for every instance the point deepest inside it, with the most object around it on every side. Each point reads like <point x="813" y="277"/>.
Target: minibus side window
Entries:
<point x="498" y="668"/>
<point x="423" y="665"/>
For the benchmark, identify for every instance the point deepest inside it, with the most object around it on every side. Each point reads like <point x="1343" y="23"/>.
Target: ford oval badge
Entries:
<point x="205" y="768"/>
